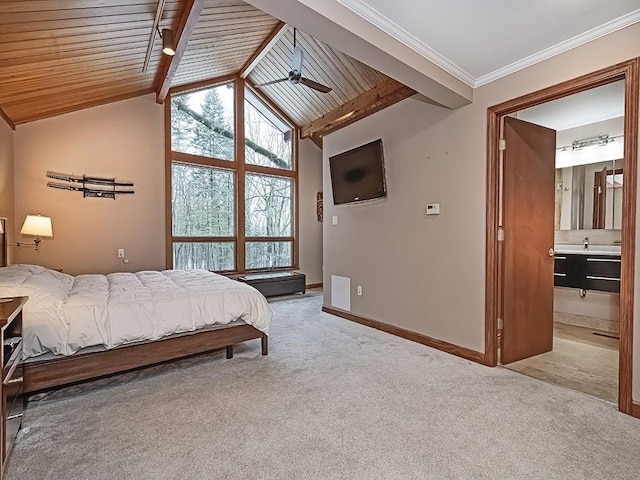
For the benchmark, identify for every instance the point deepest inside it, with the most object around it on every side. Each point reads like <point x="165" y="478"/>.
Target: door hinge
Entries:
<point x="502" y="144"/>
<point x="499" y="333"/>
<point x="500" y="234"/>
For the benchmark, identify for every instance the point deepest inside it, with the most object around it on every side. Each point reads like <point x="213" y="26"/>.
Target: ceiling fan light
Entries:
<point x="168" y="42"/>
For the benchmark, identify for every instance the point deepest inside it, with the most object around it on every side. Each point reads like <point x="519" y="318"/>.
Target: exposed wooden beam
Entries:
<point x="387" y="101"/>
<point x="210" y="82"/>
<point x="371" y="101"/>
<point x="188" y="22"/>
<point x="7" y="119"/>
<point x="273" y="38"/>
<point x="317" y="139"/>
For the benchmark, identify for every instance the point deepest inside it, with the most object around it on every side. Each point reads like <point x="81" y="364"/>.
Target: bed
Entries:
<point x="82" y="327"/>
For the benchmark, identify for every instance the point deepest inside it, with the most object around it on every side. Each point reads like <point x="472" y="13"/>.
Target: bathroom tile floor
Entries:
<point x="580" y="360"/>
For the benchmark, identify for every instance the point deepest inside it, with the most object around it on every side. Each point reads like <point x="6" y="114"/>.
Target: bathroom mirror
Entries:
<point x="589" y="196"/>
<point x="589" y="156"/>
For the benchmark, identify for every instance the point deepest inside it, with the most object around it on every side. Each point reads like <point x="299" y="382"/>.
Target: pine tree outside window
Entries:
<point x="207" y="196"/>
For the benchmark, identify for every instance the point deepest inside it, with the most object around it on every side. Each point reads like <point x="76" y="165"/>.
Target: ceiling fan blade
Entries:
<point x="296" y="59"/>
<point x="307" y="82"/>
<point x="273" y="82"/>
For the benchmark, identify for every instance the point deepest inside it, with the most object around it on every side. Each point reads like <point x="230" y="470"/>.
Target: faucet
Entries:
<point x="585" y="242"/>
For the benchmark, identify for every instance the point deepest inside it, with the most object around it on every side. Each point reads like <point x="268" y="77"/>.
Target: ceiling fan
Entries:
<point x="295" y="75"/>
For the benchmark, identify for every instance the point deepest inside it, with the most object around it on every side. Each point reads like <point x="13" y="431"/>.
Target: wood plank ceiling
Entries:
<point x="347" y="77"/>
<point x="61" y="55"/>
<point x="226" y="35"/>
<point x="64" y="55"/>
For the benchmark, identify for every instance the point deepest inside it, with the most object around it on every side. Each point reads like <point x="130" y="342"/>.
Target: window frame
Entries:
<point x="240" y="168"/>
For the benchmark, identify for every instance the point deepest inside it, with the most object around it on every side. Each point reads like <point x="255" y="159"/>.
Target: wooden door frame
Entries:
<point x="628" y="71"/>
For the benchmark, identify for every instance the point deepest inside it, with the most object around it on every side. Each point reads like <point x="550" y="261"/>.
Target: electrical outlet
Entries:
<point x="121" y="253"/>
<point x="359" y="290"/>
<point x="334" y="220"/>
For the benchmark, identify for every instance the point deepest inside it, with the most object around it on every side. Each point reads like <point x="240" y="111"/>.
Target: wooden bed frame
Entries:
<point x="56" y="372"/>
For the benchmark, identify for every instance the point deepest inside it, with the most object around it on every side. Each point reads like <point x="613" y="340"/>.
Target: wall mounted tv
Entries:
<point x="358" y="175"/>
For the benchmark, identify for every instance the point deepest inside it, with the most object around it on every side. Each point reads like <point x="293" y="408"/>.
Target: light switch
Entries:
<point x="334" y="220"/>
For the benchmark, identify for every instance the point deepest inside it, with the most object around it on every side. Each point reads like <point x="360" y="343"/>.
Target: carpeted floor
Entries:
<point x="333" y="400"/>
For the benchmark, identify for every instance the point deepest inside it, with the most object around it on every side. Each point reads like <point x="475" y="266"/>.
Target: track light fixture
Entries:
<point x="168" y="41"/>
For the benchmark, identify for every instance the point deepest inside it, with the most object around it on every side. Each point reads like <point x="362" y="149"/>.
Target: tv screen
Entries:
<point x="358" y="174"/>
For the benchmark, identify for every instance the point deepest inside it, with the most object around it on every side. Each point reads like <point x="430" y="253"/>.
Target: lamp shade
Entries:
<point x="37" y="225"/>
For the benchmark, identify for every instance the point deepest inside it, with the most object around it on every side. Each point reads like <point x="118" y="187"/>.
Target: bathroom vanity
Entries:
<point x="596" y="268"/>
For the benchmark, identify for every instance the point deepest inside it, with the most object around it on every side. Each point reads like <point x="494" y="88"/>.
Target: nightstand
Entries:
<point x="12" y="375"/>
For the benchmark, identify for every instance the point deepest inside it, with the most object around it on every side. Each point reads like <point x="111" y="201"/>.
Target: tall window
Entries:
<point x="211" y="189"/>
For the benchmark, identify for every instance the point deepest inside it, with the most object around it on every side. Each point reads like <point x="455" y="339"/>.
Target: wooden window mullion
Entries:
<point x="239" y="166"/>
<point x="240" y="161"/>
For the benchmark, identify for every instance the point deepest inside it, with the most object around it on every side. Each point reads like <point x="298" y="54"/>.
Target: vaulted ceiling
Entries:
<point x="59" y="56"/>
<point x="63" y="55"/>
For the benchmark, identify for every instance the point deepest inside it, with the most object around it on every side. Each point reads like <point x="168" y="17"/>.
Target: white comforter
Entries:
<point x="66" y="313"/>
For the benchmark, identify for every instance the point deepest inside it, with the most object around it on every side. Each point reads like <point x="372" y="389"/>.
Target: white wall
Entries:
<point x="309" y="184"/>
<point x="421" y="273"/>
<point x="598" y="310"/>
<point x="428" y="275"/>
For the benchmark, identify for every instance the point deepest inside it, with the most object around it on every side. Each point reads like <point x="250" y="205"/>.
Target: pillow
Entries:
<point x="45" y="288"/>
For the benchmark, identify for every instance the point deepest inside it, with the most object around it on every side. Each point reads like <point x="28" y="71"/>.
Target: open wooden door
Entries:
<point x="529" y="198"/>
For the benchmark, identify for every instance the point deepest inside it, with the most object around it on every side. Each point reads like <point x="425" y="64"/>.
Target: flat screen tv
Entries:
<point x="358" y="175"/>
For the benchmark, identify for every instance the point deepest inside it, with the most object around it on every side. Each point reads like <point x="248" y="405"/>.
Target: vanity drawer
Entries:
<point x="605" y="266"/>
<point x="603" y="273"/>
<point x="566" y="271"/>
<point x="563" y="280"/>
<point x="603" y="284"/>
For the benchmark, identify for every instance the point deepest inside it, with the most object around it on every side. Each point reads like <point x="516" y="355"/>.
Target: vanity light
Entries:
<point x="587" y="150"/>
<point x="601" y="139"/>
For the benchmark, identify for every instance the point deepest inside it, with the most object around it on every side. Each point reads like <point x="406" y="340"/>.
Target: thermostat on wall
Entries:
<point x="432" y="209"/>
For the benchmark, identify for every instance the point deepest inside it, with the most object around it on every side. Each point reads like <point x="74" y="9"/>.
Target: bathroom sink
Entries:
<point x="591" y="250"/>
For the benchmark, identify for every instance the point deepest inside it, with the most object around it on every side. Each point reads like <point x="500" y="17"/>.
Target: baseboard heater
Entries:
<point x="273" y="284"/>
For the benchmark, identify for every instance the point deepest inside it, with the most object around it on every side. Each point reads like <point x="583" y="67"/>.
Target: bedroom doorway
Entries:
<point x="500" y="278"/>
<point x="577" y="347"/>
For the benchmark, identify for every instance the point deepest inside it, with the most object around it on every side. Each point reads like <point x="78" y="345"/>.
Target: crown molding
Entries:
<point x="373" y="16"/>
<point x="586" y="37"/>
